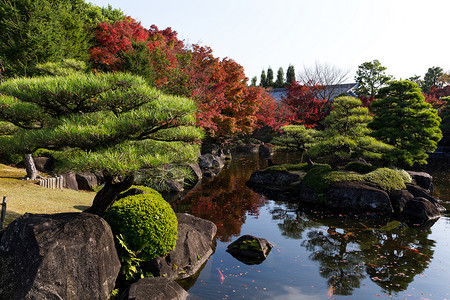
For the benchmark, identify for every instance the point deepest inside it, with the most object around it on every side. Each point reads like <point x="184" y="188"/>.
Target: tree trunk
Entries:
<point x="30" y="166"/>
<point x="108" y="194"/>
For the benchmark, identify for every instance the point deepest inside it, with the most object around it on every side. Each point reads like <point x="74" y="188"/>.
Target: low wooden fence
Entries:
<point x="52" y="183"/>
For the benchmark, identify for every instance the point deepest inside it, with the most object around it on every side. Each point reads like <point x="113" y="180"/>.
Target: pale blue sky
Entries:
<point x="406" y="36"/>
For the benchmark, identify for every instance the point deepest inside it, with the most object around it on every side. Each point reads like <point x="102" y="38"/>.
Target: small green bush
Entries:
<point x="147" y="223"/>
<point x="43" y="153"/>
<point x="359" y="167"/>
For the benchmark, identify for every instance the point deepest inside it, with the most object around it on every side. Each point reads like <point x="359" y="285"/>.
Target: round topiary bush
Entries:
<point x="147" y="223"/>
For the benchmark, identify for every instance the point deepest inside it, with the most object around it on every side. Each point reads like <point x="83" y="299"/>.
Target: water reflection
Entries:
<point x="350" y="248"/>
<point x="316" y="251"/>
<point x="225" y="200"/>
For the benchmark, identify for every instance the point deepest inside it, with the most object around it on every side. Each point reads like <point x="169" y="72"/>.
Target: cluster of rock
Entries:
<point x="413" y="204"/>
<point x="73" y="256"/>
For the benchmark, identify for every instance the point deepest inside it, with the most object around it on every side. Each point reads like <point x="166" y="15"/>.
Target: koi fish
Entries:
<point x="330" y="292"/>
<point x="413" y="250"/>
<point x="348" y="234"/>
<point x="222" y="279"/>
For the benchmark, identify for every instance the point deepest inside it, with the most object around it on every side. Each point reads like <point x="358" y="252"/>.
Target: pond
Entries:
<point x="316" y="255"/>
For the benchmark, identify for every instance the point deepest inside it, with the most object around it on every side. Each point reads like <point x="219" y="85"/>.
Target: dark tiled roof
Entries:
<point x="332" y="91"/>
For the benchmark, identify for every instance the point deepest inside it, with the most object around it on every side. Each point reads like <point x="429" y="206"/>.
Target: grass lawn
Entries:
<point x="26" y="196"/>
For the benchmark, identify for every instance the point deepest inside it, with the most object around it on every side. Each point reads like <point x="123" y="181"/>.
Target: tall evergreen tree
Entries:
<point x="431" y="78"/>
<point x="263" y="81"/>
<point x="404" y="120"/>
<point x="47" y="30"/>
<point x="254" y="80"/>
<point x="270" y="82"/>
<point x="370" y="76"/>
<point x="290" y="75"/>
<point x="280" y="78"/>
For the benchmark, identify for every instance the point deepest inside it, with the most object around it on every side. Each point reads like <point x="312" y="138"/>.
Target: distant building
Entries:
<point x="330" y="92"/>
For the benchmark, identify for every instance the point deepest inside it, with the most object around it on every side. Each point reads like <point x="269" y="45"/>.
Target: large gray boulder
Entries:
<point x="193" y="248"/>
<point x="58" y="256"/>
<point x="86" y="181"/>
<point x="208" y="161"/>
<point x="157" y="288"/>
<point x="70" y="180"/>
<point x="362" y="196"/>
<point x="44" y="164"/>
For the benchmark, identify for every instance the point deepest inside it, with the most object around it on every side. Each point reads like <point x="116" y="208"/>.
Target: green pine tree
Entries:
<point x="346" y="134"/>
<point x="279" y="83"/>
<point x="290" y="75"/>
<point x="403" y="119"/>
<point x="270" y="82"/>
<point x="111" y="123"/>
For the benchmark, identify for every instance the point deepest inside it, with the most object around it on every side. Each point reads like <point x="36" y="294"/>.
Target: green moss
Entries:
<point x="314" y="179"/>
<point x="320" y="177"/>
<point x="251" y="245"/>
<point x="147" y="223"/>
<point x="387" y="178"/>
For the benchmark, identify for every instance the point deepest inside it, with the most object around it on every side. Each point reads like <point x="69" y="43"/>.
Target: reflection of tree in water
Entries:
<point x="294" y="223"/>
<point x="339" y="257"/>
<point x="225" y="200"/>
<point x="394" y="256"/>
<point x="352" y="248"/>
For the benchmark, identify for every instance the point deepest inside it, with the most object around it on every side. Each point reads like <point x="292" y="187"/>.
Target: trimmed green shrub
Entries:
<point x="146" y="222"/>
<point x="359" y="167"/>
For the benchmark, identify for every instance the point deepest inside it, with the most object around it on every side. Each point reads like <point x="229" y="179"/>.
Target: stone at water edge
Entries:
<point x="58" y="256"/>
<point x="157" y="288"/>
<point x="420" y="210"/>
<point x="193" y="248"/>
<point x="250" y="249"/>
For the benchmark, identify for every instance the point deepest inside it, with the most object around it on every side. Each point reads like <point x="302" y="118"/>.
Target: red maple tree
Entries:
<point x="306" y="109"/>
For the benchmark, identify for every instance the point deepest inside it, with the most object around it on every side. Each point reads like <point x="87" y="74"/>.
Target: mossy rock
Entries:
<point x="360" y="168"/>
<point x="147" y="223"/>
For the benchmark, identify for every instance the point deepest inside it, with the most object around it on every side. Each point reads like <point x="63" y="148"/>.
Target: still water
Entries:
<point x="316" y="255"/>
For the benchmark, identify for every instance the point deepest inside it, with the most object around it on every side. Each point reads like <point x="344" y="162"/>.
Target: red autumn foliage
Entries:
<point x="437" y="103"/>
<point x="306" y="109"/>
<point x="113" y="38"/>
<point x="226" y="106"/>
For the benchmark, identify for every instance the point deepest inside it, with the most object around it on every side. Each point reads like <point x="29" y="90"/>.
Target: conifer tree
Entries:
<point x="280" y="78"/>
<point x="404" y="120"/>
<point x="263" y="81"/>
<point x="270" y="82"/>
<point x="347" y="135"/>
<point x="290" y="75"/>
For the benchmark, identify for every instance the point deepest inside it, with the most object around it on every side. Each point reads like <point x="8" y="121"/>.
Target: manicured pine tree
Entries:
<point x="110" y="123"/>
<point x="280" y="78"/>
<point x="347" y="135"/>
<point x="404" y="120"/>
